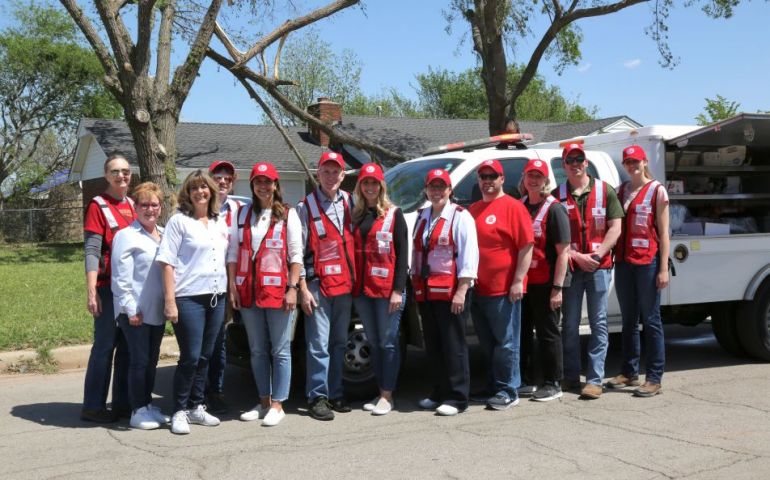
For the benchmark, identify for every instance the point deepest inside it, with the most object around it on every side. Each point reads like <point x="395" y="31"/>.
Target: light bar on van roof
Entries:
<point x="479" y="142"/>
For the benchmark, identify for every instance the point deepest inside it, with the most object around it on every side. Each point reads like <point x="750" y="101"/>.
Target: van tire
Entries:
<point x="753" y="324"/>
<point x="723" y="323"/>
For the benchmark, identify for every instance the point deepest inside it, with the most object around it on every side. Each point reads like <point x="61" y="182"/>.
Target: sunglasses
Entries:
<point x="575" y="159"/>
<point x="225" y="178"/>
<point x="489" y="176"/>
<point x="120" y="171"/>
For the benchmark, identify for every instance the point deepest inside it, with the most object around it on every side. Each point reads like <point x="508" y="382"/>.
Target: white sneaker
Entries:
<point x="368" y="407"/>
<point x="273" y="417"/>
<point x="448" y="410"/>
<point x="158" y="414"/>
<point x="200" y="416"/>
<point x="383" y="407"/>
<point x="428" y="404"/>
<point x="179" y="423"/>
<point x="143" y="419"/>
<point x="255" y="413"/>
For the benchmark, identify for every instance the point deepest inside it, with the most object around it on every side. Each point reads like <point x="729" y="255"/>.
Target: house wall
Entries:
<point x="93" y="167"/>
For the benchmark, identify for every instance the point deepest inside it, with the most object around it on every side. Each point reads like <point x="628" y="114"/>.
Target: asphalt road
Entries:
<point x="712" y="422"/>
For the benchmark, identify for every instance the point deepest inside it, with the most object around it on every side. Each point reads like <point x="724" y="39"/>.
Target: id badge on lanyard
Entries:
<point x="600" y="218"/>
<point x="272" y="261"/>
<point x="328" y="249"/>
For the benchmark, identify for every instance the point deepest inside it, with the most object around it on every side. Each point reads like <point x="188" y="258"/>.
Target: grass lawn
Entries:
<point x="43" y="296"/>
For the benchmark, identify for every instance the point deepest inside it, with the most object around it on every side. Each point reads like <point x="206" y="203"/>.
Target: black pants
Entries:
<point x="536" y="312"/>
<point x="447" y="351"/>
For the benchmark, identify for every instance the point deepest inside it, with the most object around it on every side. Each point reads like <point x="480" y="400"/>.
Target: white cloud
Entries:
<point x="632" y="63"/>
<point x="584" y="67"/>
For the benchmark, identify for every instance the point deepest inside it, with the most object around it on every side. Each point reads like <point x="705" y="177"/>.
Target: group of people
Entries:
<point x="513" y="265"/>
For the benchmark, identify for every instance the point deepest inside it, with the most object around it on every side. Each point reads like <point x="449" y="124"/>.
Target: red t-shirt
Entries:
<point x="95" y="222"/>
<point x="503" y="227"/>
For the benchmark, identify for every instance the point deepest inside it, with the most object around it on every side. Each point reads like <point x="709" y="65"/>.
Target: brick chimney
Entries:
<point x="328" y="112"/>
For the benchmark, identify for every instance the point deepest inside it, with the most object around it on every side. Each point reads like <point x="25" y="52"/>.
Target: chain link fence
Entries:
<point x="60" y="224"/>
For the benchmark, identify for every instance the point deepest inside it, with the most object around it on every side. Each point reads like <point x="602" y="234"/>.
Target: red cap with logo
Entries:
<point x="634" y="152"/>
<point x="572" y="147"/>
<point x="331" y="157"/>
<point x="439" y="173"/>
<point x="536" y="165"/>
<point x="217" y="164"/>
<point x="493" y="164"/>
<point x="371" y="170"/>
<point x="263" y="169"/>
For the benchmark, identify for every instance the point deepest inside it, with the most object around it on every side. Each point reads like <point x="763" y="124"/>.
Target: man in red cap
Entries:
<point x="223" y="173"/>
<point x="595" y="216"/>
<point x="326" y="285"/>
<point x="505" y="249"/>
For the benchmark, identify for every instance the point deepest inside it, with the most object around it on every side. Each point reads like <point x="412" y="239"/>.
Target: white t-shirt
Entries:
<point x="260" y="224"/>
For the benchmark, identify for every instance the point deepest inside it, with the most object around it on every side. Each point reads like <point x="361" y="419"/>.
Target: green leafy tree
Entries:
<point x="717" y="109"/>
<point x="48" y="81"/>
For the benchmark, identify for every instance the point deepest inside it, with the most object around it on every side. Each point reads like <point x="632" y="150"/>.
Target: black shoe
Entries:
<point x="526" y="390"/>
<point x="319" y="409"/>
<point x="501" y="401"/>
<point x="215" y="403"/>
<point x="121" y="412"/>
<point x="549" y="391"/>
<point x="101" y="415"/>
<point x="340" y="405"/>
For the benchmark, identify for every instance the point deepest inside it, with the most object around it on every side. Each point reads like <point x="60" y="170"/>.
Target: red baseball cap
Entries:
<point x="217" y="164"/>
<point x="634" y="152"/>
<point x="263" y="169"/>
<point x="493" y="164"/>
<point x="571" y="148"/>
<point x="439" y="173"/>
<point x="536" y="165"/>
<point x="331" y="157"/>
<point x="371" y="170"/>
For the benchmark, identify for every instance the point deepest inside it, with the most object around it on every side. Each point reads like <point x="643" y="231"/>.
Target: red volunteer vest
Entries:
<point x="261" y="278"/>
<point x="588" y="232"/>
<point x="333" y="252"/>
<point x="439" y="282"/>
<point x="638" y="243"/>
<point x="115" y="222"/>
<point x="540" y="270"/>
<point x="376" y="258"/>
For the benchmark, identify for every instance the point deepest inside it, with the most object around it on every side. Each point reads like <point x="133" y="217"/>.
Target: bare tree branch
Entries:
<point x="220" y="33"/>
<point x="277" y="61"/>
<point x="142" y="54"/>
<point x="163" y="62"/>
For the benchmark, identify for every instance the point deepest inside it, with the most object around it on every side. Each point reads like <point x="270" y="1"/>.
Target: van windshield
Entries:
<point x="406" y="181"/>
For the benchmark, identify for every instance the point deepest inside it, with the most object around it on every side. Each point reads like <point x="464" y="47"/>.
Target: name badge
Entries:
<point x="599" y="211"/>
<point x="332" y="269"/>
<point x="384" y="236"/>
<point x="640" y="243"/>
<point x="644" y="209"/>
<point x="380" y="272"/>
<point x="443" y="240"/>
<point x="274" y="243"/>
<point x="271" y="281"/>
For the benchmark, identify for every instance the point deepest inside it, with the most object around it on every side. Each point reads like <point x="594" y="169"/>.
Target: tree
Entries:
<point x="717" y="109"/>
<point x="445" y="94"/>
<point x="43" y="95"/>
<point x="499" y="24"/>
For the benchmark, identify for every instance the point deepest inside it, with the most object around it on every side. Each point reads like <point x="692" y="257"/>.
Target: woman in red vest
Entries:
<point x="263" y="264"/>
<point x="444" y="264"/>
<point x="382" y="251"/>
<point x="641" y="272"/>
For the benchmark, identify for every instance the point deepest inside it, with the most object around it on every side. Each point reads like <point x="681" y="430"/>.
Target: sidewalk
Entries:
<point x="72" y="357"/>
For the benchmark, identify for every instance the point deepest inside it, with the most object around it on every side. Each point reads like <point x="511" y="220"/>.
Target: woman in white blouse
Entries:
<point x="192" y="256"/>
<point x="263" y="263"/>
<point x="138" y="302"/>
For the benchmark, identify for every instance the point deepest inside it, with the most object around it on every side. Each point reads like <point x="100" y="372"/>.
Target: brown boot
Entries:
<point x="591" y="391"/>
<point x="648" y="390"/>
<point x="622" y="381"/>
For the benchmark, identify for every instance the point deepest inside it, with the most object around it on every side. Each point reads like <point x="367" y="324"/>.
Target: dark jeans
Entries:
<point x="447" y="351"/>
<point x="217" y="363"/>
<point x="200" y="320"/>
<point x="108" y="341"/>
<point x="143" y="352"/>
<point x="537" y="314"/>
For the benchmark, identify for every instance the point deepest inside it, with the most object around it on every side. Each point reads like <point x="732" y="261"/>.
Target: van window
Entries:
<point x="561" y="176"/>
<point x="406" y="181"/>
<point x="468" y="192"/>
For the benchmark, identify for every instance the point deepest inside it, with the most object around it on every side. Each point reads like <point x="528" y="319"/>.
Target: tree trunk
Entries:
<point x="494" y="74"/>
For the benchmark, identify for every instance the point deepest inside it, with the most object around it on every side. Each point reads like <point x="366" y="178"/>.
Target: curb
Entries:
<point x="72" y="357"/>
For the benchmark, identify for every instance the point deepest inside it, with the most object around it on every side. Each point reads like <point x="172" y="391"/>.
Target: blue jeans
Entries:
<point x="108" y="341"/>
<point x="326" y="333"/>
<point x="268" y="327"/>
<point x="381" y="330"/>
<point x="497" y="321"/>
<point x="639" y="296"/>
<point x="596" y="287"/>
<point x="217" y="363"/>
<point x="143" y="352"/>
<point x="200" y="319"/>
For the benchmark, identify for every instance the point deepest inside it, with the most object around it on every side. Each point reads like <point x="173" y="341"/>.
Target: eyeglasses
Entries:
<point x="489" y="176"/>
<point x="120" y="171"/>
<point x="223" y="178"/>
<point x="575" y="159"/>
<point x="148" y="205"/>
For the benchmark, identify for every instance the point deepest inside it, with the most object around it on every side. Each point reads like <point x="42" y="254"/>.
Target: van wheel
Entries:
<point x="723" y="323"/>
<point x="754" y="324"/>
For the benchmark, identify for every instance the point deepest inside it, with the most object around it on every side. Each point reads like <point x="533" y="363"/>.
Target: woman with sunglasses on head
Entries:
<point x="192" y="257"/>
<point x="641" y="272"/>
<point x="138" y="302"/>
<point x="381" y="251"/>
<point x="445" y="257"/>
<point x="106" y="215"/>
<point x="264" y="260"/>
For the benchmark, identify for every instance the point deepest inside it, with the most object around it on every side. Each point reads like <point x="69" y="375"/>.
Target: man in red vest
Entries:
<point x="326" y="285"/>
<point x="595" y="217"/>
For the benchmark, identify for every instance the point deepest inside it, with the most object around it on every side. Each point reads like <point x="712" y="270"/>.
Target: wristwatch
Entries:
<point x="292" y="285"/>
<point x="556" y="287"/>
